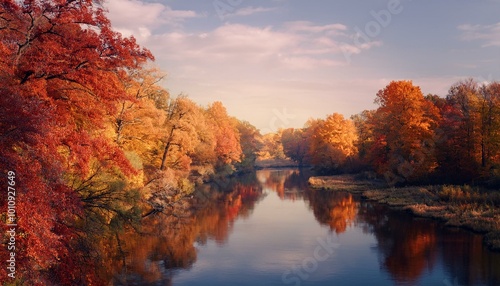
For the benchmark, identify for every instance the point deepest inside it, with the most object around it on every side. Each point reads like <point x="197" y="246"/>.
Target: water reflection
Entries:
<point x="167" y="243"/>
<point x="407" y="246"/>
<point x="216" y="211"/>
<point x="335" y="209"/>
<point x="288" y="184"/>
<point x="467" y="261"/>
<point x="410" y="248"/>
<point x="400" y="248"/>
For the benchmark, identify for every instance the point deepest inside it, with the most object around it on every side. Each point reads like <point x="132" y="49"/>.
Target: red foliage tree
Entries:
<point x="60" y="73"/>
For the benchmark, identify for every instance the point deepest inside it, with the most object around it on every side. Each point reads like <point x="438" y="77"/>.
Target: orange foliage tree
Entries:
<point x="333" y="142"/>
<point x="227" y="136"/>
<point x="180" y="138"/>
<point x="139" y="117"/>
<point x="404" y="133"/>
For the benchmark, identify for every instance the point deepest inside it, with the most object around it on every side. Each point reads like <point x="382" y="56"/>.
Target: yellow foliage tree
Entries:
<point x="333" y="142"/>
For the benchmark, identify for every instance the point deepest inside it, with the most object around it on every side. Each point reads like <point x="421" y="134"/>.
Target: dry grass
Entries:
<point x="342" y="183"/>
<point x="458" y="206"/>
<point x="275" y="163"/>
<point x="401" y="197"/>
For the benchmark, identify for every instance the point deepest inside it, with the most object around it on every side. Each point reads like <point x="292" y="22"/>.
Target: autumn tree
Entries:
<point x="204" y="158"/>
<point x="438" y="101"/>
<point x="272" y="148"/>
<point x="469" y="142"/>
<point x="179" y="138"/>
<point x="295" y="144"/>
<point x="251" y="143"/>
<point x="166" y="185"/>
<point x="364" y="129"/>
<point x="404" y="133"/>
<point x="333" y="142"/>
<point x="140" y="116"/>
<point x="61" y="72"/>
<point x="490" y="124"/>
<point x="227" y="136"/>
<point x="462" y="130"/>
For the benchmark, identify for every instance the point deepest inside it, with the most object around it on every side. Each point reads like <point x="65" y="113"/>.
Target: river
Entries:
<point x="269" y="228"/>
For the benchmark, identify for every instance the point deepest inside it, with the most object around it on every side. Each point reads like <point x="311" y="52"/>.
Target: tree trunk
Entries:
<point x="167" y="147"/>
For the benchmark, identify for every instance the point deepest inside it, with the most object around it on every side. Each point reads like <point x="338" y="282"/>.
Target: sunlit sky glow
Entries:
<point x="277" y="63"/>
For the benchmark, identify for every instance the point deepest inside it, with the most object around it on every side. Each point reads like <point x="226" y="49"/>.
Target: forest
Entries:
<point x="411" y="138"/>
<point x="97" y="144"/>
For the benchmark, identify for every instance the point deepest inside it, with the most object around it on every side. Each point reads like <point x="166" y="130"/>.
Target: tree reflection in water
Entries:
<point x="335" y="209"/>
<point x="468" y="261"/>
<point x="167" y="242"/>
<point x="407" y="247"/>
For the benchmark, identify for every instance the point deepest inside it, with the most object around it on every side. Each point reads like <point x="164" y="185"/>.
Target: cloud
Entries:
<point x="295" y="45"/>
<point x="230" y="42"/>
<point x="243" y="45"/>
<point x="306" y="26"/>
<point x="132" y="17"/>
<point x="178" y="15"/>
<point x="247" y="11"/>
<point x="489" y="34"/>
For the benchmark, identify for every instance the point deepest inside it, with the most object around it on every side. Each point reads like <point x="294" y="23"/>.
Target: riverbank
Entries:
<point x="275" y="163"/>
<point x="457" y="206"/>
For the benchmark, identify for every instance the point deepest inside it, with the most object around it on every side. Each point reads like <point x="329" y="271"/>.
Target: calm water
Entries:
<point x="270" y="229"/>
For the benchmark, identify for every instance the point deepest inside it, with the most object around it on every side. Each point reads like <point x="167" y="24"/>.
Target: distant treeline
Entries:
<point x="409" y="138"/>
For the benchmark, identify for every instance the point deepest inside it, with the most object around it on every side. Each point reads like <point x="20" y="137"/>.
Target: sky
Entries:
<point x="278" y="63"/>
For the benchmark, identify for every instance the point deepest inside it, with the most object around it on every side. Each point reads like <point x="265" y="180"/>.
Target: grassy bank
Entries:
<point x="275" y="163"/>
<point x="459" y="206"/>
<point x="344" y="183"/>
